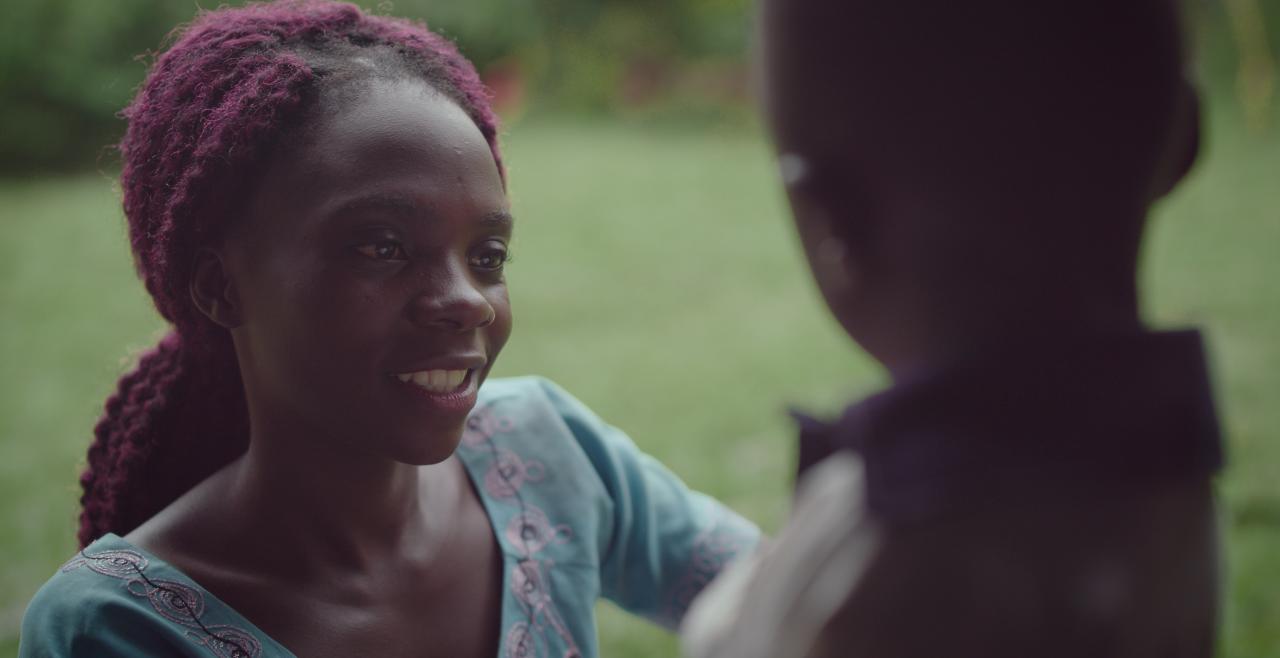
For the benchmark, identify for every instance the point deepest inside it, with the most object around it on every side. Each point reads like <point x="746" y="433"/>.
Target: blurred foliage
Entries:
<point x="1255" y="79"/>
<point x="68" y="66"/>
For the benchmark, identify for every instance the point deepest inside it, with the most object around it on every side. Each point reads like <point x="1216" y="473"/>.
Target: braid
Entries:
<point x="121" y="435"/>
<point x="230" y="88"/>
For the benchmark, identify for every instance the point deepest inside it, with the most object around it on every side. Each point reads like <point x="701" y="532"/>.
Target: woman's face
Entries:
<point x="368" y="277"/>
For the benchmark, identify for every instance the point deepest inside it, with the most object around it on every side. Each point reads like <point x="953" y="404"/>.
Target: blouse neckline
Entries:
<point x="114" y="542"/>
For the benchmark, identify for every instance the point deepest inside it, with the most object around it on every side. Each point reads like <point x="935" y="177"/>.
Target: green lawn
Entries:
<point x="655" y="277"/>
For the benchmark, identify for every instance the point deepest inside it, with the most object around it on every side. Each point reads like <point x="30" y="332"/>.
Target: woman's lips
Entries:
<point x="447" y="390"/>
<point x="435" y="381"/>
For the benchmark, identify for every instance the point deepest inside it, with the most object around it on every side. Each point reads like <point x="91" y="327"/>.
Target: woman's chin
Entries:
<point x="427" y="448"/>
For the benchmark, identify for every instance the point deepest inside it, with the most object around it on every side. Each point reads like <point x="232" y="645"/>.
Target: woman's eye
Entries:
<point x="382" y="250"/>
<point x="491" y="257"/>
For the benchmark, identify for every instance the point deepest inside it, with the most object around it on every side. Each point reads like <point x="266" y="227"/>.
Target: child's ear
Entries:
<point x="1185" y="144"/>
<point x="213" y="291"/>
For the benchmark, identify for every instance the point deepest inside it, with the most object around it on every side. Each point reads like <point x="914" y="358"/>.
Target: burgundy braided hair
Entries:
<point x="212" y="109"/>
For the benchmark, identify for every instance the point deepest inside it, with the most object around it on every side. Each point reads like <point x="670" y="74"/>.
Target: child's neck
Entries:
<point x="928" y="331"/>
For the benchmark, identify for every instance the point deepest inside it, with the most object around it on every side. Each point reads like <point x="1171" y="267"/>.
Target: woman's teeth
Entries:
<point x="436" y="381"/>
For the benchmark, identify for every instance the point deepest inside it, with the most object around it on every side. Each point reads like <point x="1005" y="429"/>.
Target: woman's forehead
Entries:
<point x="403" y="119"/>
<point x="397" y="136"/>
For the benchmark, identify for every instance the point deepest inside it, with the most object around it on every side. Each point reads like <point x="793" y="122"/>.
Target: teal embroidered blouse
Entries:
<point x="579" y="513"/>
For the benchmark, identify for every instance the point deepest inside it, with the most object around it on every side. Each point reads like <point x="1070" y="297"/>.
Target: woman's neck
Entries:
<point x="321" y="504"/>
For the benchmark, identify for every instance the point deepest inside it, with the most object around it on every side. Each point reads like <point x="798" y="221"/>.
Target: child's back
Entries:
<point x="970" y="182"/>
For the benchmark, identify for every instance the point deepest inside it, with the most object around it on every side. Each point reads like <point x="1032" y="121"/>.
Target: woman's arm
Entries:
<point x="665" y="542"/>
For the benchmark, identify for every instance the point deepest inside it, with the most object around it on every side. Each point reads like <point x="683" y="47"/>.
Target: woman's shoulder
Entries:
<point x="527" y="423"/>
<point x="112" y="599"/>
<point x="94" y="604"/>
<point x="534" y="416"/>
<point x="654" y="541"/>
<point x="532" y="406"/>
<point x="525" y="389"/>
<point x="88" y="583"/>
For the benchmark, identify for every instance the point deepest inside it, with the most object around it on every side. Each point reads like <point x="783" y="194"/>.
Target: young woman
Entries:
<point x="312" y="462"/>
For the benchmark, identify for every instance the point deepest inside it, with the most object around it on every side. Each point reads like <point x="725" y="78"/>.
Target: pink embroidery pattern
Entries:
<point x="528" y="533"/>
<point x="173" y="600"/>
<point x="530" y="588"/>
<point x="117" y="564"/>
<point x="531" y="531"/>
<point x="177" y="602"/>
<point x="521" y="643"/>
<point x="509" y="473"/>
<point x="482" y="424"/>
<point x="712" y="548"/>
<point x="228" y="642"/>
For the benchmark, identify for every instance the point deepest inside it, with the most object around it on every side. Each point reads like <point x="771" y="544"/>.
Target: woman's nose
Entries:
<point x="456" y="306"/>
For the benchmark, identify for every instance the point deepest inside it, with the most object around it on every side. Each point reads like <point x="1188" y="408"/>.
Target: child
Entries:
<point x="970" y="181"/>
<point x="312" y="463"/>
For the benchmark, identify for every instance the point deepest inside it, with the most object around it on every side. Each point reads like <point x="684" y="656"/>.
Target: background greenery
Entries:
<point x="68" y="66"/>
<point x="655" y="273"/>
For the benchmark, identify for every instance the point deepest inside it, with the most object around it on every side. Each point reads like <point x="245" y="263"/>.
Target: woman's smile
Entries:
<point x="447" y="391"/>
<point x="446" y="384"/>
<point x="435" y="381"/>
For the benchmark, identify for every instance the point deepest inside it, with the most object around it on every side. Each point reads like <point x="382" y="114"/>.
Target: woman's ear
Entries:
<point x="213" y="291"/>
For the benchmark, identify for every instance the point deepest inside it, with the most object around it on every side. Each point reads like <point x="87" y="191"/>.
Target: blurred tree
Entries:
<point x="67" y="67"/>
<point x="1255" y="81"/>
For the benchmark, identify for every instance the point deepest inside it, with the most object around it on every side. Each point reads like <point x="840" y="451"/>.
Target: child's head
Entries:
<point x="315" y="201"/>
<point x="985" y="156"/>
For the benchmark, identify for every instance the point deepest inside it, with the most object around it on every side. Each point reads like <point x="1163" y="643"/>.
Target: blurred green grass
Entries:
<point x="657" y="279"/>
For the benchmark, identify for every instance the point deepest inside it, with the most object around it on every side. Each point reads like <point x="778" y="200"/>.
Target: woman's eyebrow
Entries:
<point x="499" y="219"/>
<point x="395" y="203"/>
<point x="400" y="204"/>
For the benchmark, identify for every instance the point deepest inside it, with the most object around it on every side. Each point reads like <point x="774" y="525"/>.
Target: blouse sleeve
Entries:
<point x="664" y="542"/>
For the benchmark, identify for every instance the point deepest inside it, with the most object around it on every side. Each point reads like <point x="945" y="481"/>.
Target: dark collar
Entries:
<point x="1118" y="411"/>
